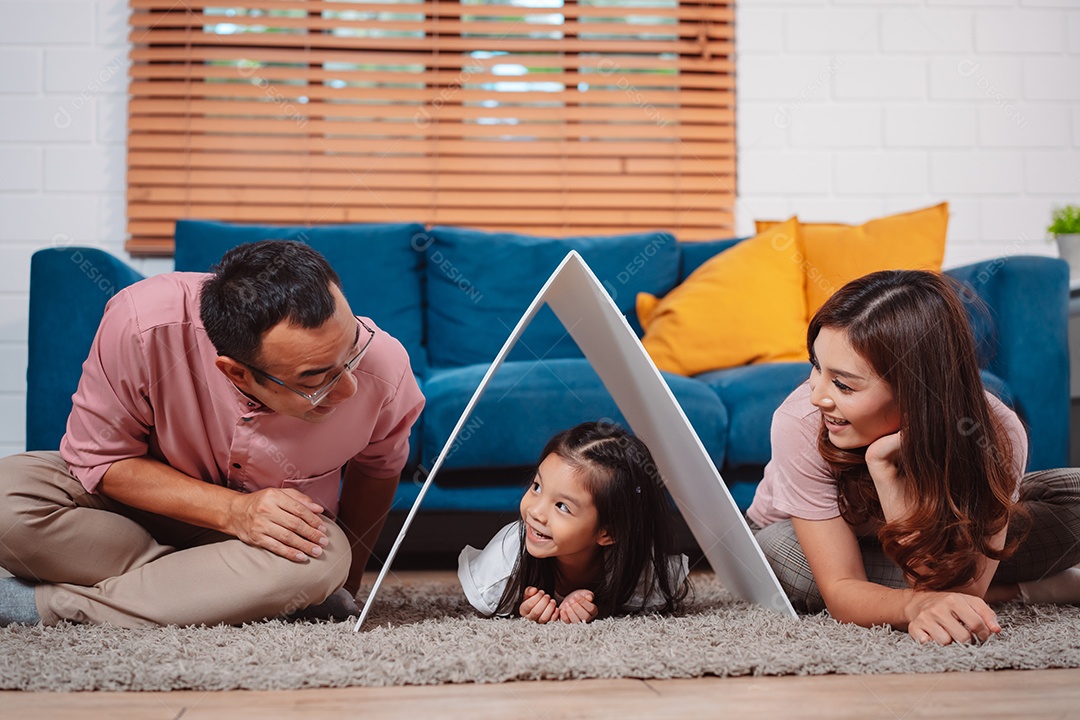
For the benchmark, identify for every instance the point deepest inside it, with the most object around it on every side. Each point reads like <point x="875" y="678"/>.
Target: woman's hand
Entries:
<point x="881" y="454"/>
<point x="538" y="606"/>
<point x="881" y="458"/>
<point x="947" y="617"/>
<point x="578" y="607"/>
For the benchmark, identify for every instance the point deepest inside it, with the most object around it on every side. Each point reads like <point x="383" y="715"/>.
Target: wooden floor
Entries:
<point x="1007" y="694"/>
<point x="1011" y="694"/>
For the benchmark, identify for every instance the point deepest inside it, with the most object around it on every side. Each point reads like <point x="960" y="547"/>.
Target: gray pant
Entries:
<point x="1052" y="497"/>
<point x="99" y="561"/>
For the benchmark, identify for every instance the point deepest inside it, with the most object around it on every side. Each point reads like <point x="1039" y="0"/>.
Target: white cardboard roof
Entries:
<point x="591" y="317"/>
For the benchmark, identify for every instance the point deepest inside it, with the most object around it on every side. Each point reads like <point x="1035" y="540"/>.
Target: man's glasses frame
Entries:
<point x="321" y="392"/>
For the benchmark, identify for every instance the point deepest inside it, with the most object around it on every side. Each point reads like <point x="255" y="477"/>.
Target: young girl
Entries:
<point x="896" y="494"/>
<point x="593" y="540"/>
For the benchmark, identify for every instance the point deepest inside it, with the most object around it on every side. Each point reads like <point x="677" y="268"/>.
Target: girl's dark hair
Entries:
<point x="631" y="504"/>
<point x="956" y="458"/>
<point x="260" y="284"/>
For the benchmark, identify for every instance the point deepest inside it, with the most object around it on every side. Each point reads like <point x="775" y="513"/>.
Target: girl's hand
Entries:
<point x="946" y="617"/>
<point x="578" y="607"/>
<point x="538" y="606"/>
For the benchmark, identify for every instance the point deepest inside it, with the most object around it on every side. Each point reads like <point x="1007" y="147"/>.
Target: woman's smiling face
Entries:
<point x="856" y="404"/>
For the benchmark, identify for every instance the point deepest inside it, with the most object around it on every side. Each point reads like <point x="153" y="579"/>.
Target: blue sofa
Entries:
<point x="453" y="295"/>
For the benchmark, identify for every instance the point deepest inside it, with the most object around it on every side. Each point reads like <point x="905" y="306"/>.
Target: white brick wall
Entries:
<point x="963" y="77"/>
<point x="880" y="173"/>
<point x="880" y="78"/>
<point x="848" y="109"/>
<point x="926" y="31"/>
<point x="63" y="91"/>
<point x="52" y="22"/>
<point x="1020" y="31"/>
<point x="913" y="102"/>
<point x="941" y="125"/>
<point x="22" y="70"/>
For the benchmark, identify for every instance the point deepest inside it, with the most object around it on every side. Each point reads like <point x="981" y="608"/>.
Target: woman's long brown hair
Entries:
<point x="956" y="457"/>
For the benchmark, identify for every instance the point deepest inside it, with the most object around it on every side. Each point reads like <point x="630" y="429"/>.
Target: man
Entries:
<point x="200" y="476"/>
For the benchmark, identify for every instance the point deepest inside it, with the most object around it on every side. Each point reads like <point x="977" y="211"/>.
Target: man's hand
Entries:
<point x="538" y="606"/>
<point x="284" y="521"/>
<point x="578" y="607"/>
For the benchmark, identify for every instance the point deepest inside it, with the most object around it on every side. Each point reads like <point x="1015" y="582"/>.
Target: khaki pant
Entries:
<point x="99" y="561"/>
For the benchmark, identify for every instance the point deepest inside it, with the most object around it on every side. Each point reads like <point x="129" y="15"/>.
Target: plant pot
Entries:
<point x="1069" y="249"/>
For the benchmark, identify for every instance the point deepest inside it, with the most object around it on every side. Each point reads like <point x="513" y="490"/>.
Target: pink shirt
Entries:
<point x="150" y="387"/>
<point x="797" y="481"/>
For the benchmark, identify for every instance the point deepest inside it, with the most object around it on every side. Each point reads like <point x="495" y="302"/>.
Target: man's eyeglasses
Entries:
<point x="320" y="393"/>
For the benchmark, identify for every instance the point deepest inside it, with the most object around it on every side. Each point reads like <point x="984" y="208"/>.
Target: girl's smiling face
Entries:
<point x="857" y="405"/>
<point x="559" y="515"/>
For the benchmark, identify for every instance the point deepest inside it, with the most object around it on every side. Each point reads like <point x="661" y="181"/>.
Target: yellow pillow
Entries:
<point x="836" y="254"/>
<point x="745" y="305"/>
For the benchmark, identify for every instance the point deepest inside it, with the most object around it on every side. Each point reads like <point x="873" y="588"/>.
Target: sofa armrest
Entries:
<point x="68" y="291"/>
<point x="1026" y="344"/>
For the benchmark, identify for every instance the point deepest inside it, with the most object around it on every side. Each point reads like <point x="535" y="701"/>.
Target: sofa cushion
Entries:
<point x="693" y="255"/>
<point x="745" y="305"/>
<point x="751" y="395"/>
<point x="381" y="266"/>
<point x="528" y="402"/>
<point x="968" y="280"/>
<point x="480" y="283"/>
<point x="492" y="498"/>
<point x="835" y="254"/>
<point x="69" y="287"/>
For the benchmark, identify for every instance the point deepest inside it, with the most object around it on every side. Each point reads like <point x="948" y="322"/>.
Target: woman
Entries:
<point x="896" y="492"/>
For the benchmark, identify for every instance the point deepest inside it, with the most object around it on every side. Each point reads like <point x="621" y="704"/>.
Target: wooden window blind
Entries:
<point x="555" y="117"/>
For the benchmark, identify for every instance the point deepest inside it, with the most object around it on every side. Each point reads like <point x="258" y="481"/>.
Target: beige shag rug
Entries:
<point x="427" y="634"/>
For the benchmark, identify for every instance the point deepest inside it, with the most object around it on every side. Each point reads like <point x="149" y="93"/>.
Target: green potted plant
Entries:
<point x="1065" y="227"/>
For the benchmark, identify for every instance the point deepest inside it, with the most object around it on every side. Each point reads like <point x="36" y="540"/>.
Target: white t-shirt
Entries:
<point x="485" y="573"/>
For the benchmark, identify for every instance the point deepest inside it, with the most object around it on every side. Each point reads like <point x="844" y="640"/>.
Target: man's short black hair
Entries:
<point x="260" y="284"/>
